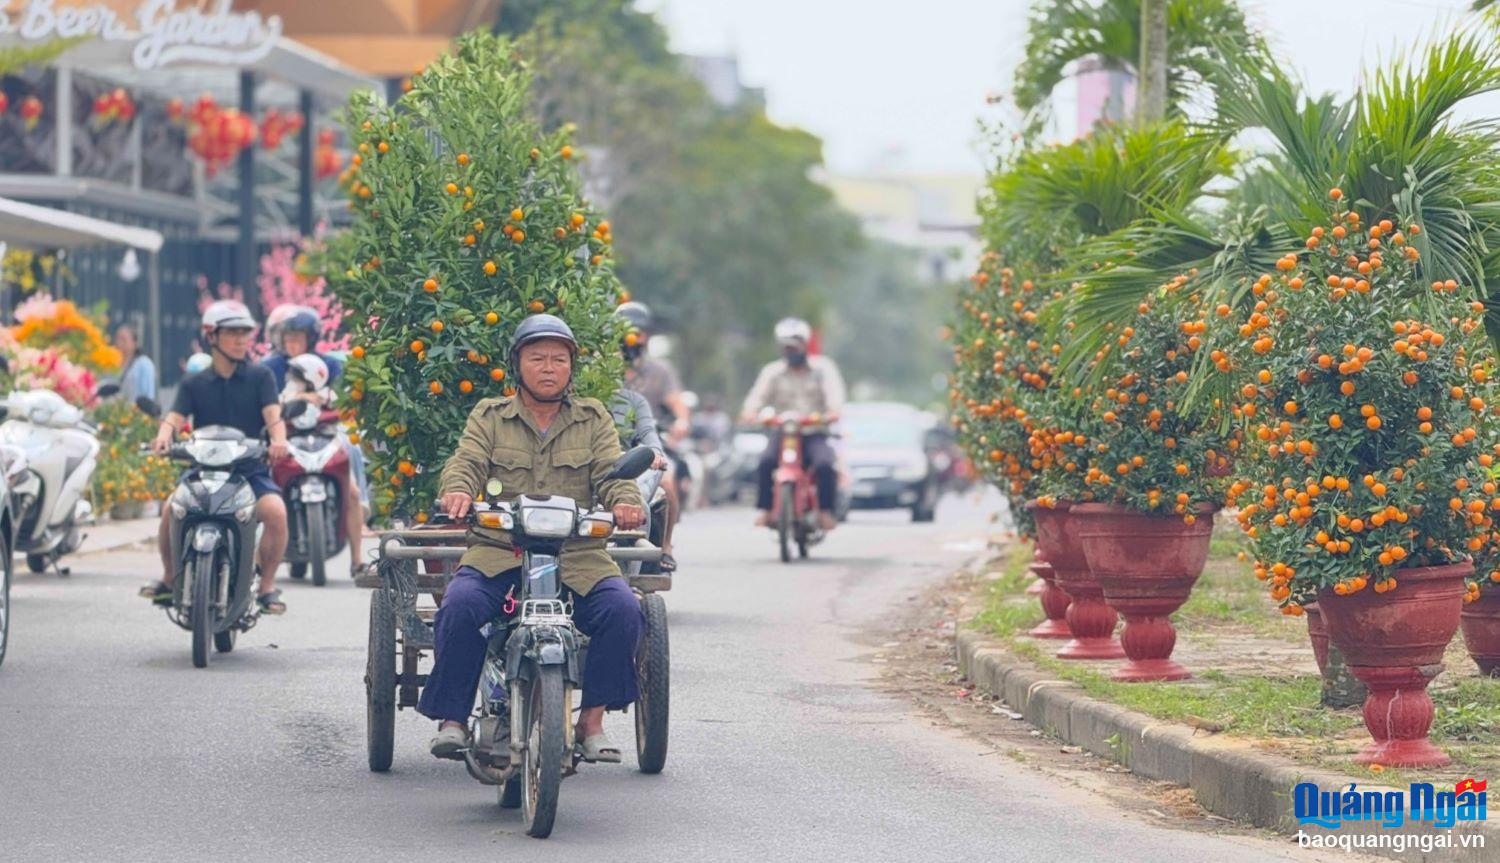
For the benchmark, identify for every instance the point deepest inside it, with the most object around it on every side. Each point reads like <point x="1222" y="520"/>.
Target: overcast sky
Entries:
<point x="891" y="84"/>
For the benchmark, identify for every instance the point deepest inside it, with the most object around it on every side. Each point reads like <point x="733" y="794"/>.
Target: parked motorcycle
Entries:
<point x="214" y="533"/>
<point x="309" y="479"/>
<point x="55" y="451"/>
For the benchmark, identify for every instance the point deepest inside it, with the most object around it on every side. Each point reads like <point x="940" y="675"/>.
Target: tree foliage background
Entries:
<point x="720" y="225"/>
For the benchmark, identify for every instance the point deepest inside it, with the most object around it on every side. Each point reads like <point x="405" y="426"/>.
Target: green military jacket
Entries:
<point x="502" y="441"/>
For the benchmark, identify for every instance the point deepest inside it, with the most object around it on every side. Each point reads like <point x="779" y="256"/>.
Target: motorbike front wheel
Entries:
<point x="546" y="749"/>
<point x="202" y="613"/>
<point x="38" y="563"/>
<point x="317" y="544"/>
<point x="785" y="524"/>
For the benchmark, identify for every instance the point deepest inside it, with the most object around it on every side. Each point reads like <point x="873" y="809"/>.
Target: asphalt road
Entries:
<point x="113" y="747"/>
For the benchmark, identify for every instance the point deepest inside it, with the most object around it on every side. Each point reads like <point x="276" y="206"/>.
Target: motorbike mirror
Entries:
<point x="107" y="390"/>
<point x="632" y="464"/>
<point x="296" y="409"/>
<point x="148" y="406"/>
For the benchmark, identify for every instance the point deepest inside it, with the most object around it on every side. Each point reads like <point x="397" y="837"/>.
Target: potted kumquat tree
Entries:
<point x="1480" y="618"/>
<point x="1366" y="488"/>
<point x="1157" y="475"/>
<point x="1062" y="448"/>
<point x="1003" y="367"/>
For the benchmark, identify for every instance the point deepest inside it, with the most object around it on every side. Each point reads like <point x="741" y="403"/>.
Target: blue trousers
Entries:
<point x="610" y="615"/>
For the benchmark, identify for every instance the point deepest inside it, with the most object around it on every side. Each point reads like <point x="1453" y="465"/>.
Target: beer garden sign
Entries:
<point x="163" y="33"/>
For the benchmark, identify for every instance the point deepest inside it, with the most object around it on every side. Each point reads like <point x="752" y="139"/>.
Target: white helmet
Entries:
<point x="793" y="330"/>
<point x="230" y="314"/>
<point x="198" y="362"/>
<point x="311" y="368"/>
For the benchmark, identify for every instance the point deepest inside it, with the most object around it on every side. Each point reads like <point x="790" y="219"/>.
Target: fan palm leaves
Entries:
<point x="1394" y="149"/>
<point x="1060" y="35"/>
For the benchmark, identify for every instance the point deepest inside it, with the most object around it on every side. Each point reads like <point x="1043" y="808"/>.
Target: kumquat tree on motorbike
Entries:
<point x="469" y="219"/>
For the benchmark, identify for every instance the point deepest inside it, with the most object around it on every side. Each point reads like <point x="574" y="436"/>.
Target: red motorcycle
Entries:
<point x="794" y="505"/>
<point x="310" y="479"/>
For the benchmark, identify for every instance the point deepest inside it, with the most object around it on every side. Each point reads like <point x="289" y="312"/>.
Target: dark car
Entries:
<point x="887" y="452"/>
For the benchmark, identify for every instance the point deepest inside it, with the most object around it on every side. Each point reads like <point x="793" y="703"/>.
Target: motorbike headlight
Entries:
<point x="243" y="504"/>
<point x="790" y="427"/>
<point x="547" y="521"/>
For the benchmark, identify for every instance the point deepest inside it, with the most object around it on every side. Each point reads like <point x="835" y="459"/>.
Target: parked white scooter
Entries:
<point x="54" y="452"/>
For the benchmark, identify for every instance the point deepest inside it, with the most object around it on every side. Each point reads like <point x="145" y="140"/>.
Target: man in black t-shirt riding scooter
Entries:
<point x="242" y="395"/>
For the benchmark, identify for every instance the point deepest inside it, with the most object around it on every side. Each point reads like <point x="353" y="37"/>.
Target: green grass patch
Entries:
<point x="1007" y="608"/>
<point x="1255" y="705"/>
<point x="1468" y="711"/>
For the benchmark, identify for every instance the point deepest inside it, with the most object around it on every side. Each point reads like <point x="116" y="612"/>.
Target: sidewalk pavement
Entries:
<point x="116" y="534"/>
<point x="1229" y="776"/>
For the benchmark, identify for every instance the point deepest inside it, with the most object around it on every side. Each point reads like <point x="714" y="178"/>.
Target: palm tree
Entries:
<point x="1394" y="149"/>
<point x="1202" y="34"/>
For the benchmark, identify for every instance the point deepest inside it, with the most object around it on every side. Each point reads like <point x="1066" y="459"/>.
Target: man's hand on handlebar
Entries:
<point x="628" y="516"/>
<point x="456" y="504"/>
<point x="660" y="462"/>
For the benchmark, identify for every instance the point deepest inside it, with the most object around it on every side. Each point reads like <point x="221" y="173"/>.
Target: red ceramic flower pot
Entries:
<point x="1055" y="602"/>
<point x="1089" y="619"/>
<point x="1480" y="621"/>
<point x="1146" y="564"/>
<point x="1317" y="633"/>
<point x="1394" y="644"/>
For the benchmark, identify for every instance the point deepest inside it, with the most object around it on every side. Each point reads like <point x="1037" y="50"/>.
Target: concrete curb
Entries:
<point x="1229" y="777"/>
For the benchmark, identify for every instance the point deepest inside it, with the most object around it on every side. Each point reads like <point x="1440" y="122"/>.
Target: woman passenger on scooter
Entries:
<point x="543" y="440"/>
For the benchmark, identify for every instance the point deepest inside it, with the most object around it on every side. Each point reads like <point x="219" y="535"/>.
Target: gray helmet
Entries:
<point x="538" y="327"/>
<point x="535" y="329"/>
<point x="637" y="313"/>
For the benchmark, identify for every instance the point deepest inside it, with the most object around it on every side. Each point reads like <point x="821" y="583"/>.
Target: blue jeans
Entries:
<point x="610" y="615"/>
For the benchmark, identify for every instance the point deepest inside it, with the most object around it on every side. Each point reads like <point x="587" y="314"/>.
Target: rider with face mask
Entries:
<point x="803" y="384"/>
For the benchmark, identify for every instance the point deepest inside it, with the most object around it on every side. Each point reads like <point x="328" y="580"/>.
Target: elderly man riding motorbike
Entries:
<point x="798" y="383"/>
<point x="541" y="441"/>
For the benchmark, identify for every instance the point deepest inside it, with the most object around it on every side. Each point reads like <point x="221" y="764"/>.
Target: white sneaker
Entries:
<point x="450" y="743"/>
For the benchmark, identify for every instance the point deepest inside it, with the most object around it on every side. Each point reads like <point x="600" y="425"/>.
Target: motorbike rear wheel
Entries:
<point x="202" y="612"/>
<point x="317" y="544"/>
<point x="785" y="525"/>
<point x="653" y="671"/>
<point x="542" y="766"/>
<point x="380" y="683"/>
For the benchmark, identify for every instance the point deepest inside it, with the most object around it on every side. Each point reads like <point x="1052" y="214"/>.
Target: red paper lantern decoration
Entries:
<point x="115" y="105"/>
<point x="31" y="111"/>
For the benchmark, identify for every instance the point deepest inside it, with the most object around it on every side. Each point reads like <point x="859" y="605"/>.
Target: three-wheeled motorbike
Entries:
<point x="522" y="728"/>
